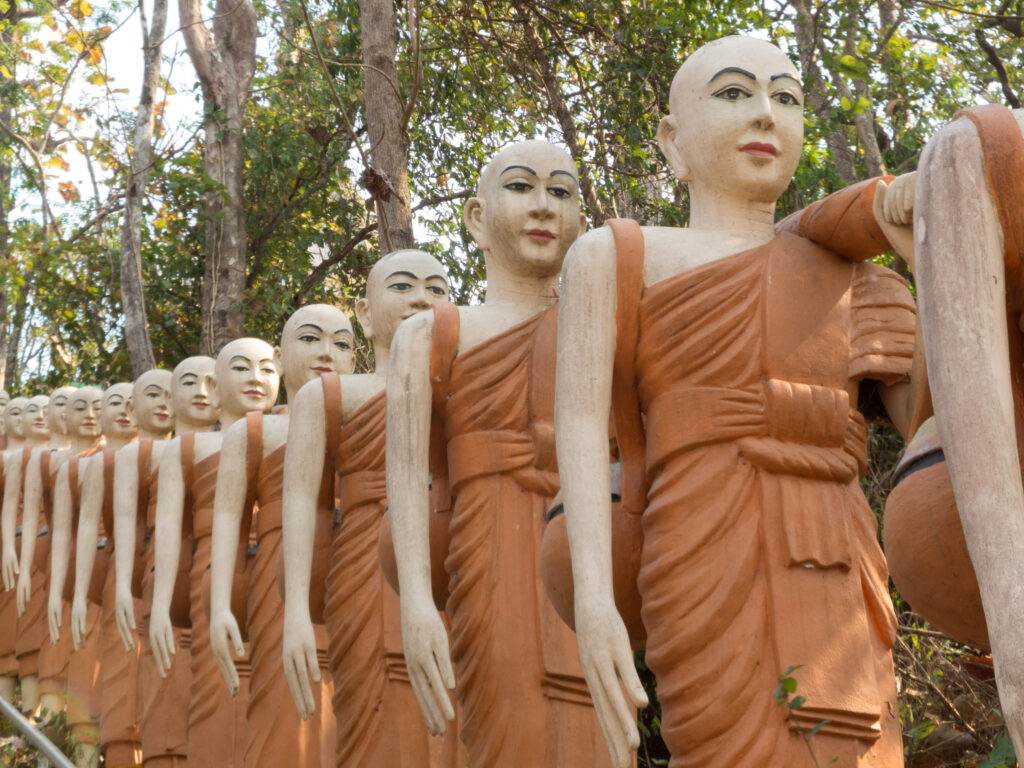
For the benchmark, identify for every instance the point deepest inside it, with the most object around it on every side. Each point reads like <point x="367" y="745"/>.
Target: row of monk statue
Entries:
<point x="709" y="388"/>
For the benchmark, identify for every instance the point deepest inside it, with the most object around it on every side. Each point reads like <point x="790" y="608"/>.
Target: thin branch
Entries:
<point x="997" y="64"/>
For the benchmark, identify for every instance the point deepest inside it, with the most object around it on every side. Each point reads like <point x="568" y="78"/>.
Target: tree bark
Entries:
<point x="386" y="121"/>
<point x="224" y="60"/>
<point x="133" y="297"/>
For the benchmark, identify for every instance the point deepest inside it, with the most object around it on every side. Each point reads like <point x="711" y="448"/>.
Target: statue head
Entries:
<point x="56" y="411"/>
<point x="14" y="413"/>
<point x="526" y="212"/>
<point x="735" y="124"/>
<point x="194" y="399"/>
<point x="247" y="377"/>
<point x="4" y="399"/>
<point x="151" y="401"/>
<point x="316" y="339"/>
<point x="34" y="419"/>
<point x="116" y="419"/>
<point x="83" y="413"/>
<point x="400" y="284"/>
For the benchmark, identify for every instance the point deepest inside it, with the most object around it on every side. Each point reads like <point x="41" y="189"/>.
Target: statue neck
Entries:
<point x="39" y="442"/>
<point x="154" y="434"/>
<point x="16" y="443"/>
<point x="60" y="442"/>
<point x="713" y="210"/>
<point x="83" y="444"/>
<point x="184" y="425"/>
<point x="535" y="292"/>
<point x="381" y="356"/>
<point x="117" y="443"/>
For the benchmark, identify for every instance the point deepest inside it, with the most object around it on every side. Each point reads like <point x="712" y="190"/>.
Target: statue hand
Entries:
<point x="124" y="612"/>
<point x="54" y="612"/>
<point x="428" y="661"/>
<point x="300" y="661"/>
<point x="1008" y="658"/>
<point x="24" y="591"/>
<point x="9" y="568"/>
<point x="893" y="208"/>
<point x="224" y="636"/>
<point x="161" y="639"/>
<point x="607" y="662"/>
<point x="79" y="613"/>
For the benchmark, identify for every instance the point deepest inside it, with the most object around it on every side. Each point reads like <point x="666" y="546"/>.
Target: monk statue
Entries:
<point x="83" y="710"/>
<point x="337" y="426"/>
<point x="247" y="380"/>
<point x="481" y="376"/>
<point x="31" y="626"/>
<point x="41" y="486"/>
<point x="29" y="429"/>
<point x="4" y="399"/>
<point x="316" y="340"/>
<point x="735" y="359"/>
<point x="969" y="235"/>
<point x="163" y="699"/>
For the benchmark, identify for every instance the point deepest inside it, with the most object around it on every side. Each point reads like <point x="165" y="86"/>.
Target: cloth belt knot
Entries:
<point x="491" y="452"/>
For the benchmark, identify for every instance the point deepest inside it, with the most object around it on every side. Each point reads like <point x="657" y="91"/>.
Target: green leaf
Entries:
<point x="852" y="66"/>
<point x="797" y="701"/>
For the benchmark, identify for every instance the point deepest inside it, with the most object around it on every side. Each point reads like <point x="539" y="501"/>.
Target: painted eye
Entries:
<point x="309" y="338"/>
<point x="400" y="287"/>
<point x="787" y="99"/>
<point x="518" y="186"/>
<point x="344" y="346"/>
<point x="560" y="192"/>
<point x="732" y="93"/>
<point x="436" y="290"/>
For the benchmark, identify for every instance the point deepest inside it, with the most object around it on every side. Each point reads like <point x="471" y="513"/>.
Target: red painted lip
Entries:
<point x="39" y="424"/>
<point x="200" y="405"/>
<point x="322" y="369"/>
<point x="253" y="393"/>
<point x="124" y="421"/>
<point x="162" y="415"/>
<point x="758" y="149"/>
<point x="541" y="235"/>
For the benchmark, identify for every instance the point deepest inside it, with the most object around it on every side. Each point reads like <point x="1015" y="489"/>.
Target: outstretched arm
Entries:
<point x="9" y="521"/>
<point x="228" y="508"/>
<point x="303" y="470"/>
<point x="408" y="447"/>
<point x="583" y="397"/>
<point x="32" y="501"/>
<point x="167" y="550"/>
<point x="126" y="499"/>
<point x="60" y="550"/>
<point x="85" y="548"/>
<point x="962" y="288"/>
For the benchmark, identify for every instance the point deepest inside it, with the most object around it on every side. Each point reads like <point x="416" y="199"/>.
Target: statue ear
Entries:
<point x="363" y="316"/>
<point x="668" y="140"/>
<point x="473" y="215"/>
<point x="278" y="362"/>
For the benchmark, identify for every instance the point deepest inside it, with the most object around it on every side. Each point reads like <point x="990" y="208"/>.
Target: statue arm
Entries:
<point x="962" y="282"/>
<point x="9" y="522"/>
<point x="60" y="550"/>
<point x="408" y="447"/>
<point x="228" y="508"/>
<point x="85" y="547"/>
<point x="303" y="470"/>
<point x="583" y="397"/>
<point x="31" y="502"/>
<point x="167" y="551"/>
<point x="126" y="498"/>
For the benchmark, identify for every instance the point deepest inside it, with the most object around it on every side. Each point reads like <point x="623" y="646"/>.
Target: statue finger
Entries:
<point x="606" y="719"/>
<point x="624" y="714"/>
<point x="440" y="689"/>
<point x="425" y="698"/>
<point x="291" y="674"/>
<point x="236" y="640"/>
<point x="312" y="663"/>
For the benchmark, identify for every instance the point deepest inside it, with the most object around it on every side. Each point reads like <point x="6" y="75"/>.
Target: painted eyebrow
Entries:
<point x="570" y="175"/>
<point x="314" y="326"/>
<point x="442" y="278"/>
<point x="737" y="70"/>
<point x="112" y="395"/>
<point x="243" y="358"/>
<point x="521" y="167"/>
<point x="402" y="273"/>
<point x="773" y="78"/>
<point x="346" y="331"/>
<point x="157" y="387"/>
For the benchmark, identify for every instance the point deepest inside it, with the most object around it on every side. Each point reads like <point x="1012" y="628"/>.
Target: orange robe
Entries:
<point x="8" y="599"/>
<point x="748" y="372"/>
<point x="32" y="632"/>
<point x="84" y="665"/>
<point x="162" y="702"/>
<point x="216" y="721"/>
<point x="275" y="734"/>
<point x="119" y="669"/>
<point x="519" y="681"/>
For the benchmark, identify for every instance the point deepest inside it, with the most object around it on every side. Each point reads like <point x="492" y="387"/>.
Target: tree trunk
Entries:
<point x="386" y="121"/>
<point x="224" y="61"/>
<point x="133" y="297"/>
<point x="6" y="39"/>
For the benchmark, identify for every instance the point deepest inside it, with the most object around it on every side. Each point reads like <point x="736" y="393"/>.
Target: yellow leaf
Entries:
<point x="57" y="162"/>
<point x="6" y="72"/>
<point x="80" y="9"/>
<point x="95" y="55"/>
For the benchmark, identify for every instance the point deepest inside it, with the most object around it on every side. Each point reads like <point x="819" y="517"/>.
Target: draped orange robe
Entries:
<point x="275" y="734"/>
<point x="84" y="665"/>
<point x="216" y="721"/>
<point x="519" y="680"/>
<point x="32" y="632"/>
<point x="162" y="702"/>
<point x="760" y="551"/>
<point x="8" y="599"/>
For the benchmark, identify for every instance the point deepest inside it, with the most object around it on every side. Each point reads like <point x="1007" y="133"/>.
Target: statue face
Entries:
<point x="193" y="393"/>
<point x="736" y="122"/>
<point x="316" y="339"/>
<point x="56" y="411"/>
<point x="151" y="401"/>
<point x="400" y="285"/>
<point x="527" y="211"/>
<point x="37" y="427"/>
<point x="14" y="415"/>
<point x="83" y="413"/>
<point x="116" y="419"/>
<point x="247" y="376"/>
<point x="4" y="400"/>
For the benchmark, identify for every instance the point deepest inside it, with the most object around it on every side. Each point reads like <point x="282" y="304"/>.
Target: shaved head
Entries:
<point x="527" y="154"/>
